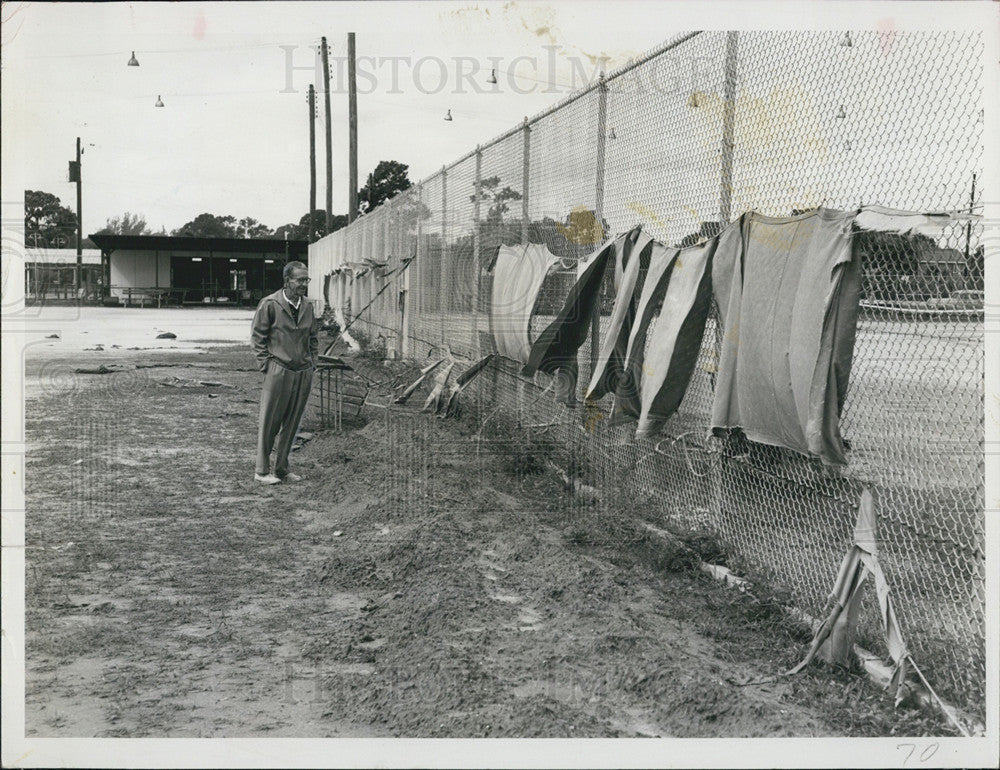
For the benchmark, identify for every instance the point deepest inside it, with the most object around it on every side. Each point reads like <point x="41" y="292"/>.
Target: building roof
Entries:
<point x="296" y="248"/>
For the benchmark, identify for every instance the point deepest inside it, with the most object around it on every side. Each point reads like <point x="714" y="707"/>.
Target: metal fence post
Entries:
<point x="442" y="285"/>
<point x="525" y="176"/>
<point x="602" y="119"/>
<point x="421" y="282"/>
<point x="728" y="118"/>
<point x="525" y="182"/>
<point x="475" y="250"/>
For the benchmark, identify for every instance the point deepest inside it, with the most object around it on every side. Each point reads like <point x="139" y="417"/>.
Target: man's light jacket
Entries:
<point x="277" y="337"/>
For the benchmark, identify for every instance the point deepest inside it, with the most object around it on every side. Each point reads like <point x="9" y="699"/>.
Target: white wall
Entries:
<point x="138" y="269"/>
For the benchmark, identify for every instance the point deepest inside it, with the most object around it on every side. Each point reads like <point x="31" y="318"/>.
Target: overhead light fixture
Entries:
<point x="447" y="115"/>
<point x="845" y="41"/>
<point x="159" y="102"/>
<point x="841" y="113"/>
<point x="196" y="259"/>
<point x="268" y="261"/>
<point x="492" y="79"/>
<point x="232" y="260"/>
<point x="612" y="134"/>
<point x="133" y="62"/>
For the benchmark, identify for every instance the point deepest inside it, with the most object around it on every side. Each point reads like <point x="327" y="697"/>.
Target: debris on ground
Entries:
<point x="183" y="382"/>
<point x="495" y="606"/>
<point x="434" y="403"/>
<point x="402" y="397"/>
<point x="102" y="369"/>
<point x="166" y="336"/>
<point x="301" y="440"/>
<point x="451" y="401"/>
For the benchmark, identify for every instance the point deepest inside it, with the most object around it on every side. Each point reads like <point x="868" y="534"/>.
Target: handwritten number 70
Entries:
<point x="924" y="755"/>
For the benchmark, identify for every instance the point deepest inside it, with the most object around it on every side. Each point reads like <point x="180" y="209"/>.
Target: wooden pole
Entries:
<point x="312" y="163"/>
<point x="352" y="107"/>
<point x="329" y="139"/>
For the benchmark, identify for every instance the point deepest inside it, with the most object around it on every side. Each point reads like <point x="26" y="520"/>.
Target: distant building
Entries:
<point x="177" y="269"/>
<point x="51" y="273"/>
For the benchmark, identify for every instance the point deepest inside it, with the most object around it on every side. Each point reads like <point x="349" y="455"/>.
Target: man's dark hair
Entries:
<point x="294" y="265"/>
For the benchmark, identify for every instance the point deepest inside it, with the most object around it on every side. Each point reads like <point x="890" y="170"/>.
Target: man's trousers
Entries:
<point x="282" y="402"/>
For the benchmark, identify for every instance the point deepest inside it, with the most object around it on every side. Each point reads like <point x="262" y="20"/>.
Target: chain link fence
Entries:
<point x="684" y="140"/>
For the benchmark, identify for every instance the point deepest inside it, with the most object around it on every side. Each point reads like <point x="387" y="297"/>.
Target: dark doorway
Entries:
<point x="230" y="280"/>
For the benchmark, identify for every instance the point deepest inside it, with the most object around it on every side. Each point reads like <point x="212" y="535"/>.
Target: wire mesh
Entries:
<point x="701" y="130"/>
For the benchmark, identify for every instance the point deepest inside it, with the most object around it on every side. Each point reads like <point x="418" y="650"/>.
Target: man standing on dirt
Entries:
<point x="285" y="342"/>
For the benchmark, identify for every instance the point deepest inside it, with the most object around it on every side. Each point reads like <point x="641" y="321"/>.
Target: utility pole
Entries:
<point x="78" y="278"/>
<point x="329" y="140"/>
<point x="312" y="163"/>
<point x="352" y="107"/>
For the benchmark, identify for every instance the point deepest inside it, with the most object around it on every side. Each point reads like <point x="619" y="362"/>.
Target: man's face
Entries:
<point x="297" y="284"/>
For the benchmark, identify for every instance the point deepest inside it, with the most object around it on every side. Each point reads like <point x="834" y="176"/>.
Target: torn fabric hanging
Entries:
<point x="632" y="252"/>
<point x="451" y="401"/>
<point x="405" y="395"/>
<point x="834" y="639"/>
<point x="788" y="292"/>
<point x="518" y="273"/>
<point x="679" y="284"/>
<point x="882" y="219"/>
<point x="557" y="345"/>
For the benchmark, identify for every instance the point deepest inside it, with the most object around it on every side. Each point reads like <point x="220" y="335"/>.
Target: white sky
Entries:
<point x="230" y="140"/>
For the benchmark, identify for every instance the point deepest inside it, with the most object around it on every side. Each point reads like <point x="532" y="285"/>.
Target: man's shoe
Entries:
<point x="269" y="478"/>
<point x="293" y="477"/>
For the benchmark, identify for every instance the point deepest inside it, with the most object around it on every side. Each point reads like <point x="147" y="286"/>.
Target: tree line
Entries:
<point x="50" y="224"/>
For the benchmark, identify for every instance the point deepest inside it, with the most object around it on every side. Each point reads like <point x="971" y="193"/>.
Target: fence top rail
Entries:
<point x="652" y="53"/>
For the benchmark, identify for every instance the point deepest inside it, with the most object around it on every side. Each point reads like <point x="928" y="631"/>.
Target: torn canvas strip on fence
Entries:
<point x="434" y="399"/>
<point x="931" y="223"/>
<point x="663" y="361"/>
<point x="451" y="400"/>
<point x="558" y="343"/>
<point x="632" y="253"/>
<point x="835" y="638"/>
<point x="787" y="291"/>
<point x="518" y="273"/>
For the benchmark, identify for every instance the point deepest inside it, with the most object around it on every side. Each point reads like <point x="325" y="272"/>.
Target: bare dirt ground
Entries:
<point x="394" y="592"/>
